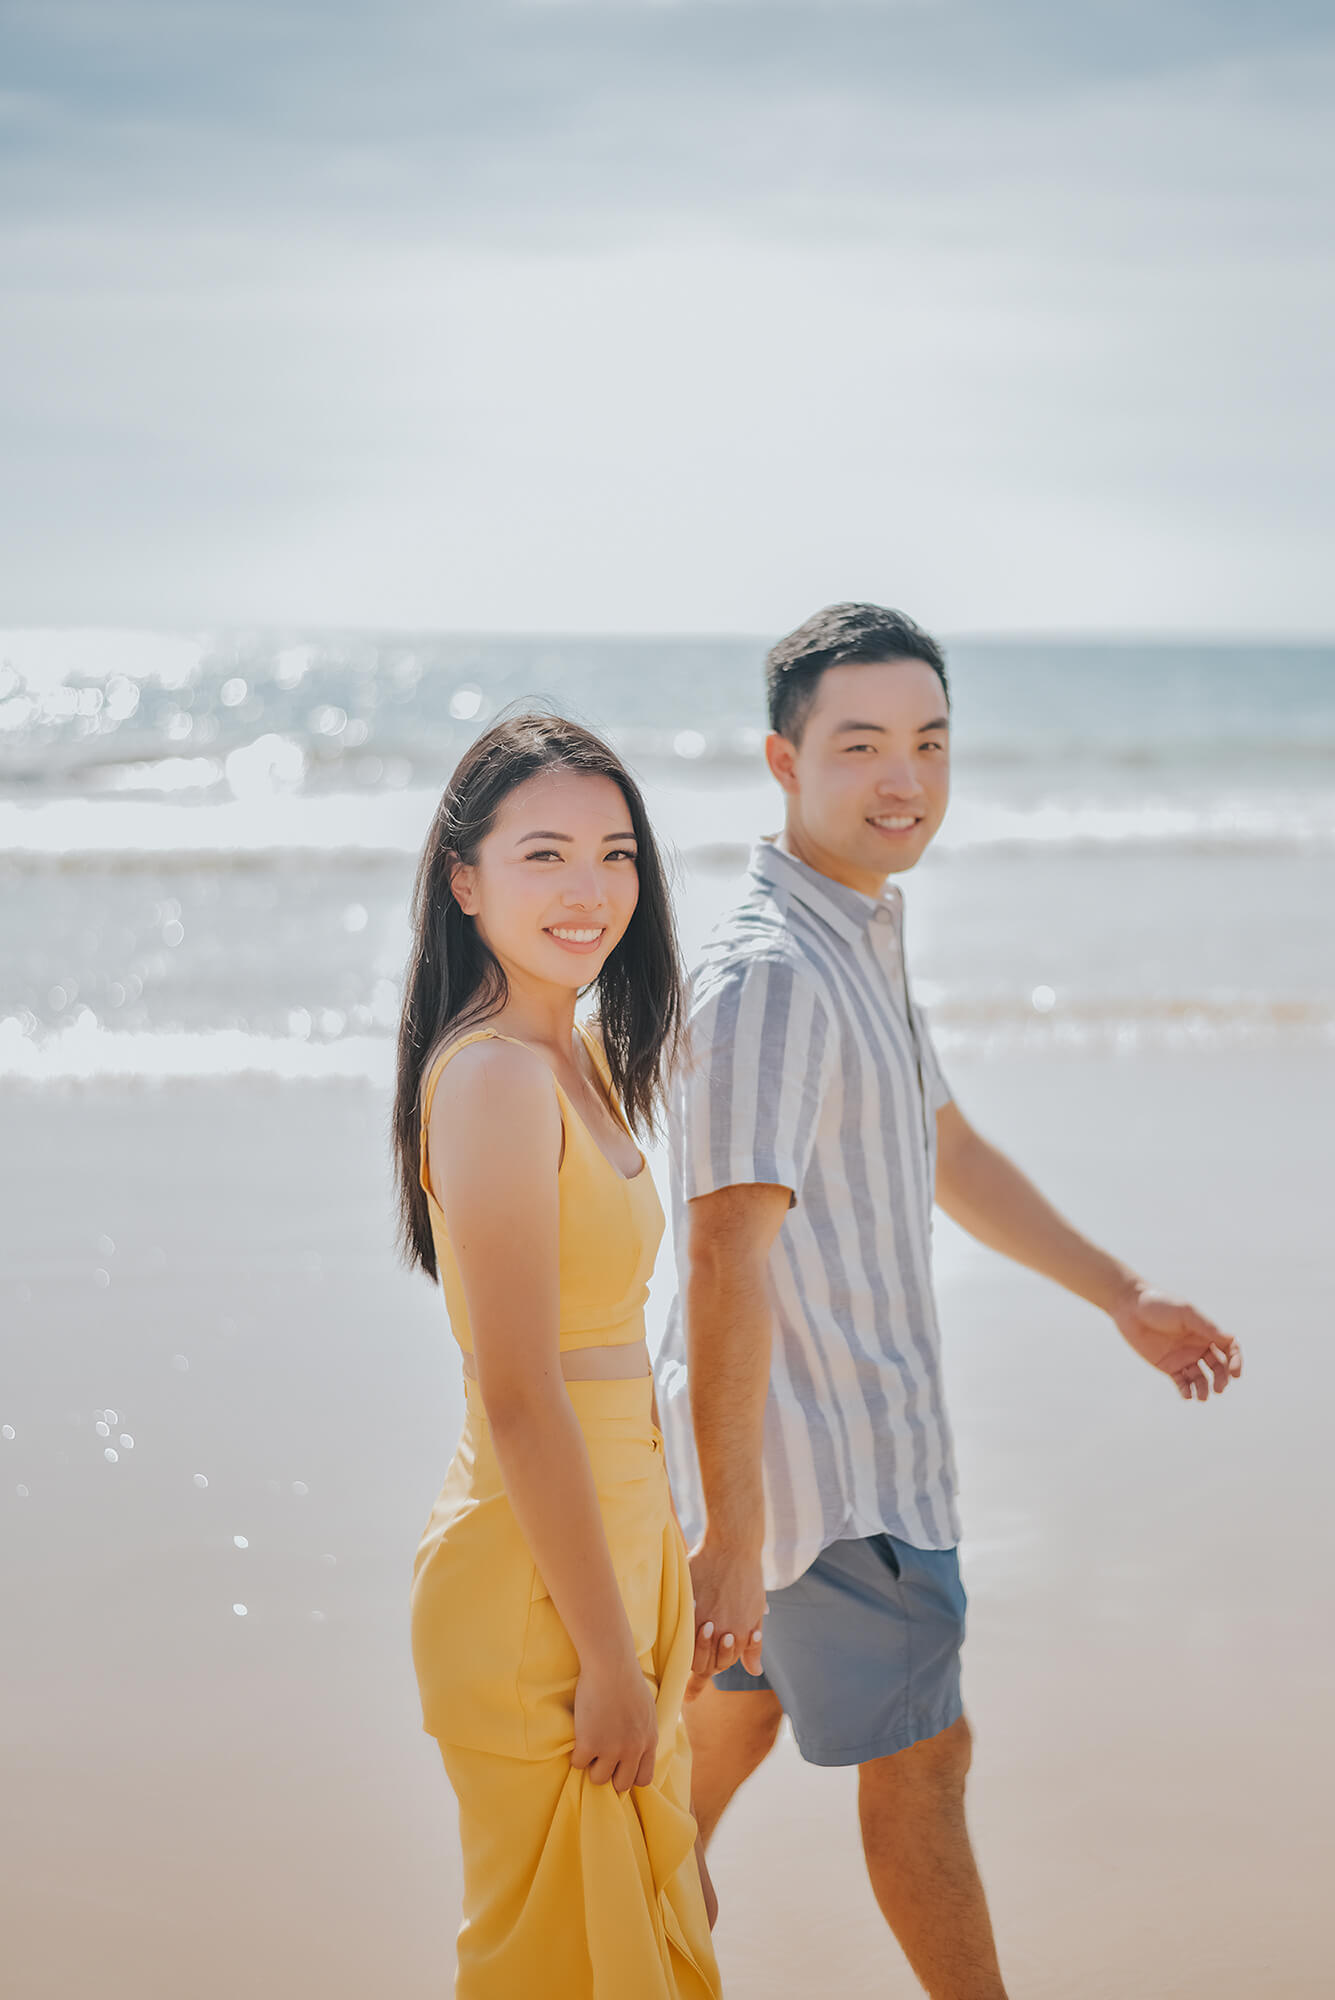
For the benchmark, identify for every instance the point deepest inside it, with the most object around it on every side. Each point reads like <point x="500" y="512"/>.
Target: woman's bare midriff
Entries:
<point x="593" y="1364"/>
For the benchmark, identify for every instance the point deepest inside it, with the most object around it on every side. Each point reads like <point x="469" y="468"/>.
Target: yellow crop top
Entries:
<point x="610" y="1227"/>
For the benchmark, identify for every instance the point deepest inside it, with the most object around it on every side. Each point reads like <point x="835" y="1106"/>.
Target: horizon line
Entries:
<point x="977" y="635"/>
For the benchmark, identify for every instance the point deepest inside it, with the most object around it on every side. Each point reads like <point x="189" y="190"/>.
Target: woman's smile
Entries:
<point x="577" y="937"/>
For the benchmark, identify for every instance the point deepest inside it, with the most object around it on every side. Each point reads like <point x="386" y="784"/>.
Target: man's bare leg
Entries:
<point x="731" y="1734"/>
<point x="922" y="1868"/>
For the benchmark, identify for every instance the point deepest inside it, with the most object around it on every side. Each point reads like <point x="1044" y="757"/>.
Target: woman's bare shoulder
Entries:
<point x="495" y="1122"/>
<point x="492" y="1066"/>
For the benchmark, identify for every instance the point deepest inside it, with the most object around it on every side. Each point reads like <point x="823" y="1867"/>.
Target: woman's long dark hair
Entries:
<point x="452" y="980"/>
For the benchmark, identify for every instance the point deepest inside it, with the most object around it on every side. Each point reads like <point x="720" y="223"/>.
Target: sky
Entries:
<point x="649" y="316"/>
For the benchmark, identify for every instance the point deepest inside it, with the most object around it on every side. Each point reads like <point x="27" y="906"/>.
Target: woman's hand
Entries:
<point x="730" y="1606"/>
<point x="616" y="1724"/>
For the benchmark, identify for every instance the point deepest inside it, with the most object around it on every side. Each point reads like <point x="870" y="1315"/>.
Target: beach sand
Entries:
<point x="201" y="1805"/>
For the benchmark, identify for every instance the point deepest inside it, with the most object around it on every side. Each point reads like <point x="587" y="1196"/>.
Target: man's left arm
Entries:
<point x="985" y="1193"/>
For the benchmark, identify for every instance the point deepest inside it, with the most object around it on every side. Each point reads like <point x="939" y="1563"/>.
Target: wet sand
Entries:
<point x="208" y="1804"/>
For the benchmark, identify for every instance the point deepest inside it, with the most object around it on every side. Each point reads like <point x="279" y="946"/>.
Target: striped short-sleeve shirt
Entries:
<point x="811" y="1067"/>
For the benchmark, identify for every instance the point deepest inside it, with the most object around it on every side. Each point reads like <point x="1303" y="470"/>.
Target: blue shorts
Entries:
<point x="863" y="1650"/>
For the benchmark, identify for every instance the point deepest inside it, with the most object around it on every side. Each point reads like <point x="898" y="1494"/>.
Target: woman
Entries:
<point x="552" y="1613"/>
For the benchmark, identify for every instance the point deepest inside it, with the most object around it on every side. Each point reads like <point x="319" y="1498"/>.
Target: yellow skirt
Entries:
<point x="571" y="1890"/>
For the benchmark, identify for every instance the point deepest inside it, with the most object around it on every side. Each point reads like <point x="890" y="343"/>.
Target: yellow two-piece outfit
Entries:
<point x="572" y="1891"/>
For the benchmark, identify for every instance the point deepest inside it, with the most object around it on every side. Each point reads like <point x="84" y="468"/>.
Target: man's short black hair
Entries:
<point x="836" y="637"/>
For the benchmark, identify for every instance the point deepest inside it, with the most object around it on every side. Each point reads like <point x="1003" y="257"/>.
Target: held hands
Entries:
<point x="729" y="1612"/>
<point x="616" y="1724"/>
<point x="1174" y="1338"/>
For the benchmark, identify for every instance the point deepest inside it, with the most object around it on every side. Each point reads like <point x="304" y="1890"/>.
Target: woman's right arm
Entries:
<point x="493" y="1148"/>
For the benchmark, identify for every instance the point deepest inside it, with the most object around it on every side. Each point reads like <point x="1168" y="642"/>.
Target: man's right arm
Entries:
<point x="730" y="1234"/>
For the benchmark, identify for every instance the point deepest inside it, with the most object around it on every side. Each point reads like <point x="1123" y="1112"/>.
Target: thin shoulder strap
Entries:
<point x="593" y="1043"/>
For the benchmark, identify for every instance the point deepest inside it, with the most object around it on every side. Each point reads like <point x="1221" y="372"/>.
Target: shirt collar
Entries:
<point x="847" y="911"/>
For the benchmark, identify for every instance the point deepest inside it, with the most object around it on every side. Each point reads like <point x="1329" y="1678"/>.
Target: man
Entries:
<point x="800" y="1381"/>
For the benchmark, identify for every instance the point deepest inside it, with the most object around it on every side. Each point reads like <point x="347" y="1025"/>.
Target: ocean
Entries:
<point x="207" y="841"/>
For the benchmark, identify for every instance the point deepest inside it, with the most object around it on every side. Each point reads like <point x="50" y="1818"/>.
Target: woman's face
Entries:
<point x="556" y="879"/>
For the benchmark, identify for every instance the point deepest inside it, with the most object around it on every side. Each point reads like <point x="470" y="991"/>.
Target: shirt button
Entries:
<point x="884" y="916"/>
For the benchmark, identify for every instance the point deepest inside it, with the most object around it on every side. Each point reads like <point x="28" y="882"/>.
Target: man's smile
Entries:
<point x="894" y="823"/>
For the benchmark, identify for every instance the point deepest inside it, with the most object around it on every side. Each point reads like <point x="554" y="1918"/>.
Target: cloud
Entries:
<point x="647" y="314"/>
<point x="577" y="117"/>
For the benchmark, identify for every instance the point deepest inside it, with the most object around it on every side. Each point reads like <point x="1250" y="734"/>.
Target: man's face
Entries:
<point x="868" y="785"/>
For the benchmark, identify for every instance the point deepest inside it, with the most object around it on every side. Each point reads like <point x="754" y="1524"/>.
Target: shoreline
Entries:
<point x="248" y="1803"/>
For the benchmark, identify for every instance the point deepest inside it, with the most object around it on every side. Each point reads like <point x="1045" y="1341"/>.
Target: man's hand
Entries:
<point x="1174" y="1338"/>
<point x="729" y="1612"/>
